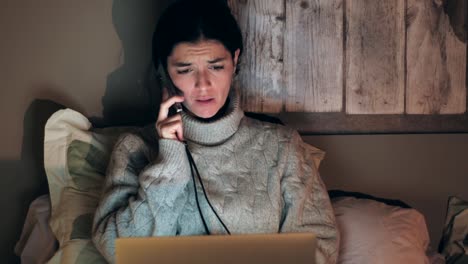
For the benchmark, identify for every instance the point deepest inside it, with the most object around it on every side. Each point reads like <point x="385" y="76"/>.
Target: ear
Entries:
<point x="236" y="58"/>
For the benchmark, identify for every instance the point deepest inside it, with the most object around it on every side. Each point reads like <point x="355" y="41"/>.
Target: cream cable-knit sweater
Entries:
<point x="260" y="178"/>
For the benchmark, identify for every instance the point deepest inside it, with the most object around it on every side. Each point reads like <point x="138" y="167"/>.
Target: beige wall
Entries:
<point x="422" y="170"/>
<point x="71" y="52"/>
<point x="91" y="56"/>
<point x="57" y="50"/>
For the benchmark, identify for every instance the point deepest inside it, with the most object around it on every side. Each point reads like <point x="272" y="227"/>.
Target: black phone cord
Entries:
<point x="192" y="167"/>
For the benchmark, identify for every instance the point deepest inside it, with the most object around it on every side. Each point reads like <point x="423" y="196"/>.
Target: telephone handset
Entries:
<point x="169" y="85"/>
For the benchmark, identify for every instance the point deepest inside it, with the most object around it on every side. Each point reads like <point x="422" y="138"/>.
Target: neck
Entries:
<point x="214" y="130"/>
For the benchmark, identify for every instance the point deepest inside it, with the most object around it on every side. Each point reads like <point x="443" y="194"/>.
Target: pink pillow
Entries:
<point x="373" y="232"/>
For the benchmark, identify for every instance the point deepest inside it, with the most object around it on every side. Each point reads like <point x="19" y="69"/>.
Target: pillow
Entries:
<point x="374" y="232"/>
<point x="454" y="242"/>
<point x="340" y="193"/>
<point x="75" y="161"/>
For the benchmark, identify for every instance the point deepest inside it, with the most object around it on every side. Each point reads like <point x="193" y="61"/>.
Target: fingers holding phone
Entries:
<point x="170" y="127"/>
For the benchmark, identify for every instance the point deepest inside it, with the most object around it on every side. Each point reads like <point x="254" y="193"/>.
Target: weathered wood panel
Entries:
<point x="375" y="53"/>
<point x="261" y="75"/>
<point x="313" y="50"/>
<point x="436" y="58"/>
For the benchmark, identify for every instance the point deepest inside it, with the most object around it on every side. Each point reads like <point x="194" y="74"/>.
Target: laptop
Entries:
<point x="296" y="248"/>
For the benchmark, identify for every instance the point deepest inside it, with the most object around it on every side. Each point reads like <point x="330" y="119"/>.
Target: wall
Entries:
<point x="356" y="57"/>
<point x="92" y="56"/>
<point x="422" y="170"/>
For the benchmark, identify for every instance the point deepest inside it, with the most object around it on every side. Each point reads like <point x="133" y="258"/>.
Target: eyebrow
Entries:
<point x="181" y="64"/>
<point x="185" y="64"/>
<point x="217" y="60"/>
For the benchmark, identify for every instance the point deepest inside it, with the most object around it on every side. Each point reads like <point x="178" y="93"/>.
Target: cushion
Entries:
<point x="374" y="232"/>
<point x="341" y="193"/>
<point x="75" y="161"/>
<point x="454" y="242"/>
<point x="37" y="243"/>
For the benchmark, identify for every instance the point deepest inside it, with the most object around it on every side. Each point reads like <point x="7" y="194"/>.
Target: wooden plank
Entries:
<point x="436" y="58"/>
<point x="314" y="55"/>
<point x="342" y="123"/>
<point x="261" y="75"/>
<point x="375" y="53"/>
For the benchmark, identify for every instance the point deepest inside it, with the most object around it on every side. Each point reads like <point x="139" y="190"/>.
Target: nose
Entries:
<point x="202" y="80"/>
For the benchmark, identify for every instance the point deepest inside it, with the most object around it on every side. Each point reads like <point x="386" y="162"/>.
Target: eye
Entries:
<point x="184" y="71"/>
<point x="217" y="67"/>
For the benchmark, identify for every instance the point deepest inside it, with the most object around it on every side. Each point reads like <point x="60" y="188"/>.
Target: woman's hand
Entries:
<point x="170" y="127"/>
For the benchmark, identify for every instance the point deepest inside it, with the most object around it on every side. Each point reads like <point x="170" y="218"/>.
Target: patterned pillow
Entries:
<point x="454" y="242"/>
<point x="75" y="160"/>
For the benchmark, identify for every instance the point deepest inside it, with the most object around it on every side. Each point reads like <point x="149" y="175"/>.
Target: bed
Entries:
<point x="58" y="226"/>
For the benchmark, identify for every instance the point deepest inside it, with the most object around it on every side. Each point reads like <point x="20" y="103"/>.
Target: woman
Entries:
<point x="250" y="176"/>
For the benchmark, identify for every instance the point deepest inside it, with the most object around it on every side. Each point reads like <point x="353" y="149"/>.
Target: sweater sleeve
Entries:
<point x="307" y="206"/>
<point x="140" y="198"/>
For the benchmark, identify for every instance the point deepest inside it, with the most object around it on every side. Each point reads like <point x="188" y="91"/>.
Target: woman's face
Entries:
<point x="203" y="72"/>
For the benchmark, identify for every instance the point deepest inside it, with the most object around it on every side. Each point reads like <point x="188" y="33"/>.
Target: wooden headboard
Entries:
<point x="360" y="66"/>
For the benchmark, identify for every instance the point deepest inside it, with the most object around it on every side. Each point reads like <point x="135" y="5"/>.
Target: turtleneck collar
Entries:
<point x="215" y="131"/>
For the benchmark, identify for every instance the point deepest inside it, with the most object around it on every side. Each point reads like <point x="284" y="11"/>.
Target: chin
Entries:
<point x="205" y="115"/>
<point x="205" y="112"/>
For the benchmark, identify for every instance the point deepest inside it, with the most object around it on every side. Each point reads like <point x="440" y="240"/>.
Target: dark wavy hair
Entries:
<point x="192" y="21"/>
